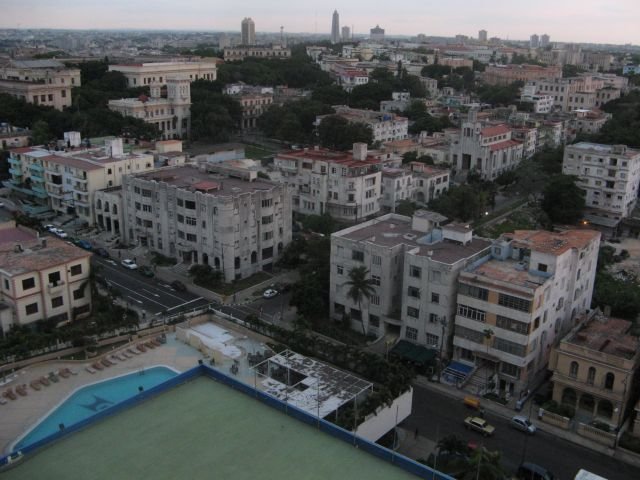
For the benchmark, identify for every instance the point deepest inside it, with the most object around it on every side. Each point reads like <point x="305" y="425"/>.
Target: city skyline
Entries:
<point x="594" y="21"/>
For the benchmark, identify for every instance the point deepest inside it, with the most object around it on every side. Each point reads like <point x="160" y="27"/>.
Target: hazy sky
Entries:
<point x="602" y="21"/>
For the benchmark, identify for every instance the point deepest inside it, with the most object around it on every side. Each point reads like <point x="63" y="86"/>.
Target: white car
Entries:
<point x="270" y="293"/>
<point x="128" y="263"/>
<point x="523" y="424"/>
<point x="49" y="227"/>
<point x="59" y="232"/>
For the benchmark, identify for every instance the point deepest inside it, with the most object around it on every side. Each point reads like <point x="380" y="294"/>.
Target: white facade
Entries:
<point x="142" y="74"/>
<point x="386" y="127"/>
<point x="428" y="182"/>
<point x="237" y="226"/>
<point x="397" y="185"/>
<point x="609" y="175"/>
<point x="347" y="186"/>
<point x="248" y="32"/>
<point x="541" y="103"/>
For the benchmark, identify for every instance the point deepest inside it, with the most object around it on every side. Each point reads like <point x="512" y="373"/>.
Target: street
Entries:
<point x="149" y="294"/>
<point x="269" y="309"/>
<point x="437" y="415"/>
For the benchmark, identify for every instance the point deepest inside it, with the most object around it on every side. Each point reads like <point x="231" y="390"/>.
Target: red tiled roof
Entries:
<point x="493" y="131"/>
<point x="23" y="149"/>
<point x="503" y="145"/>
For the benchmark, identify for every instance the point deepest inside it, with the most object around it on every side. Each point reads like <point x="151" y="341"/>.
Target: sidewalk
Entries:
<point x="508" y="413"/>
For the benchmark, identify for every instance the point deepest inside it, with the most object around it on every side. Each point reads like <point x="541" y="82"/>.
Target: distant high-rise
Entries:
<point x="482" y="36"/>
<point x="335" y="27"/>
<point x="346" y="34"/>
<point x="376" y="34"/>
<point x="545" y="41"/>
<point x="534" y="41"/>
<point x="248" y="32"/>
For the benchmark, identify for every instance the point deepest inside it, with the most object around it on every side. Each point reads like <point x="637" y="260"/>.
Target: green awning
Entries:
<point x="414" y="353"/>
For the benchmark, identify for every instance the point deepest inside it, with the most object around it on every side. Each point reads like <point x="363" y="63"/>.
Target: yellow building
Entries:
<point x="41" y="278"/>
<point x="593" y="367"/>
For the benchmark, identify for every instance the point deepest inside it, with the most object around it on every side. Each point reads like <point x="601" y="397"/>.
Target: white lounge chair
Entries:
<point x="90" y="370"/>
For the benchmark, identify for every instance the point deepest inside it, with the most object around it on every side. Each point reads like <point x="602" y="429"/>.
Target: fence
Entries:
<point x="555" y="419"/>
<point x="383" y="453"/>
<point x="593" y="433"/>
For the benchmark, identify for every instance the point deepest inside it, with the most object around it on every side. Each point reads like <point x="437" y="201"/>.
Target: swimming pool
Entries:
<point x="95" y="398"/>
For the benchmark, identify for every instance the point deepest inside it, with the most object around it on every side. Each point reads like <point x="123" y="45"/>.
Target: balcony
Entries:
<point x="56" y="287"/>
<point x="15" y="161"/>
<point x="35" y="167"/>
<point x="15" y="172"/>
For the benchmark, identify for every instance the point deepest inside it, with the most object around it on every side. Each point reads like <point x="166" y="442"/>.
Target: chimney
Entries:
<point x="43" y="242"/>
<point x="360" y="151"/>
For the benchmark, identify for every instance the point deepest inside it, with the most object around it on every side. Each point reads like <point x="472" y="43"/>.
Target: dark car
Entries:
<point x="146" y="271"/>
<point x="178" y="286"/>
<point x="84" y="244"/>
<point x="102" y="252"/>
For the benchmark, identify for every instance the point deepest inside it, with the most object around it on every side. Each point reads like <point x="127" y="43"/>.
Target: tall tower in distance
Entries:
<point x="248" y="32"/>
<point x="346" y="34"/>
<point x="482" y="36"/>
<point x="534" y="41"/>
<point x="545" y="40"/>
<point x="335" y="28"/>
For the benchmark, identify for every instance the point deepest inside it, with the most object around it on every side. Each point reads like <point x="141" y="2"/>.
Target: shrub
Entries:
<point x="630" y="442"/>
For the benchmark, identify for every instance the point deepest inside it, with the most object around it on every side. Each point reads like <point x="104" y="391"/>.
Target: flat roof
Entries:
<point x="450" y="252"/>
<point x="607" y="335"/>
<point x="555" y="243"/>
<point x="199" y="430"/>
<point x="508" y="271"/>
<point x="386" y="233"/>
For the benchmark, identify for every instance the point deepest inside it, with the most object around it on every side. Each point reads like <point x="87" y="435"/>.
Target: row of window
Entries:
<point x="54" y="278"/>
<point x="609" y="378"/>
<point x="56" y="302"/>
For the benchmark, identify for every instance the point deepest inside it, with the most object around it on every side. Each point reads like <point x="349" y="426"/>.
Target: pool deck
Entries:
<point x="17" y="416"/>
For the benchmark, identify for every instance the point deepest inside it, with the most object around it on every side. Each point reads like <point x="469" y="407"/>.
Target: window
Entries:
<point x="415" y="272"/>
<point x="78" y="294"/>
<point x="413" y="292"/>
<point x="31" y="309"/>
<point x="542" y="267"/>
<point x="591" y="376"/>
<point x="374" y="299"/>
<point x="267" y="203"/>
<point x="375" y="280"/>
<point x="338" y="308"/>
<point x="374" y="320"/>
<point x="180" y="218"/>
<point x="56" y="302"/>
<point x="190" y="204"/>
<point x="435" y="297"/>
<point x="266" y="220"/>
<point x="516" y="303"/>
<point x="609" y="380"/>
<point x="511" y="324"/>
<point x="573" y="370"/>
<point x="433" y="340"/>
<point x="54" y="278"/>
<point x="191" y="237"/>
<point x="6" y="284"/>
<point x="76" y="270"/>
<point x="510" y="347"/>
<point x="146" y="208"/>
<point x="433" y="318"/>
<point x="413" y="312"/>
<point x="267" y="236"/>
<point x="376" y="260"/>
<point x="472" y="291"/>
<point x="357" y="255"/>
<point x="472" y="313"/>
<point x="411" y="333"/>
<point x="28" y="283"/>
<point x="339" y="269"/>
<point x="511" y="370"/>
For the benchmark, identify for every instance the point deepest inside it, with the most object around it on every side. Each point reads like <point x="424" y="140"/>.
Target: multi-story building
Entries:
<point x="141" y="74"/>
<point x="346" y="34"/>
<point x="66" y="181"/>
<point x="41" y="82"/>
<point x="347" y="186"/>
<point x="515" y="304"/>
<point x="171" y="115"/>
<point x="486" y="150"/>
<point x="609" y="176"/>
<point x="534" y="41"/>
<point x="545" y="40"/>
<point x="507" y="74"/>
<point x="42" y="278"/>
<point x="528" y="136"/>
<point x="429" y="182"/>
<point x="482" y="36"/>
<point x="376" y="34"/>
<point x="13" y="137"/>
<point x="594" y="368"/>
<point x="239" y="53"/>
<point x="335" y="27"/>
<point x="542" y="103"/>
<point x="430" y="85"/>
<point x="255" y="100"/>
<point x="349" y="78"/>
<point x="238" y="224"/>
<point x="585" y="91"/>
<point x="589" y="121"/>
<point x="248" y="32"/>
<point x="399" y="102"/>
<point x="397" y="185"/>
<point x="386" y="127"/>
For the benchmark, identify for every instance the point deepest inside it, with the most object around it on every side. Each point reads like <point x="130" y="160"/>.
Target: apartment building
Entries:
<point x="345" y="185"/>
<point x="239" y="53"/>
<point x="542" y="103"/>
<point x="171" y="115"/>
<point x="507" y="74"/>
<point x="429" y="182"/>
<point x="399" y="102"/>
<point x="66" y="181"/>
<point x="609" y="176"/>
<point x="397" y="185"/>
<point x="255" y="100"/>
<point x="386" y="127"/>
<point x="571" y="93"/>
<point x="589" y="121"/>
<point x="515" y="304"/>
<point x="430" y="85"/>
<point x="233" y="221"/>
<point x="485" y="150"/>
<point x="41" y="82"/>
<point x="594" y="367"/>
<point x="528" y="136"/>
<point x="42" y="278"/>
<point x="142" y="74"/>
<point x="349" y="78"/>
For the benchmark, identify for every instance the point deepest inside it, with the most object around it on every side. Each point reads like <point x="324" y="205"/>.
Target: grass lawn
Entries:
<point x="256" y="153"/>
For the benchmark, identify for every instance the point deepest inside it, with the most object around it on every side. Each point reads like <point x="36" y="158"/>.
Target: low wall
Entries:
<point x="595" y="434"/>
<point x="386" y="418"/>
<point x="555" y="419"/>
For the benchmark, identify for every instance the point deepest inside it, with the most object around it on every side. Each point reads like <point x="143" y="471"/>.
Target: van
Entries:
<point x="531" y="471"/>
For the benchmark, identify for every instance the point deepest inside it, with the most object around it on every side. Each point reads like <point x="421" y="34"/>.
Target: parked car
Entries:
<point x="480" y="425"/>
<point x="128" y="263"/>
<point x="48" y="227"/>
<point x="523" y="424"/>
<point x="58" y="232"/>
<point x="146" y="271"/>
<point x="270" y="293"/>
<point x="178" y="286"/>
<point x="102" y="252"/>
<point x="84" y="244"/>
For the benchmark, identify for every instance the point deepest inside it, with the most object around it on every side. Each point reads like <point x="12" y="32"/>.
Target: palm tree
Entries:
<point x="360" y="286"/>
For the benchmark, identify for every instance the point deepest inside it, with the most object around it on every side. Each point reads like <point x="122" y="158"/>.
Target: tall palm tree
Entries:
<point x="360" y="286"/>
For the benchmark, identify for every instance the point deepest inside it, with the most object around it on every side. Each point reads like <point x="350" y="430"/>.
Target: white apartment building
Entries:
<point x="349" y="78"/>
<point x="41" y="82"/>
<point x="238" y="224"/>
<point x="430" y="84"/>
<point x="386" y="127"/>
<point x="171" y="115"/>
<point x="589" y="121"/>
<point x="345" y="185"/>
<point x="528" y="136"/>
<point x="399" y="102"/>
<point x="429" y="182"/>
<point x="609" y="176"/>
<point x="41" y="278"/>
<point x="485" y="150"/>
<point x="585" y="91"/>
<point x="239" y="53"/>
<point x="542" y="103"/>
<point x="66" y="181"/>
<point x="517" y="303"/>
<point x="397" y="185"/>
<point x="141" y="74"/>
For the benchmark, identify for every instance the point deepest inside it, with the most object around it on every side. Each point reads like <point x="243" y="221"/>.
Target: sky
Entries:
<point x="595" y="21"/>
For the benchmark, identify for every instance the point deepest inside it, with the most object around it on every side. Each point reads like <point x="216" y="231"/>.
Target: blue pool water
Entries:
<point x="95" y="398"/>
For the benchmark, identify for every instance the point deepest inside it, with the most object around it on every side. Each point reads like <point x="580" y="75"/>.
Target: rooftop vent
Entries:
<point x="409" y="236"/>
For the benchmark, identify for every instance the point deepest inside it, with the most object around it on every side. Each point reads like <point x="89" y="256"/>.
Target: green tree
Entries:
<point x="338" y="133"/>
<point x="41" y="133"/>
<point x="485" y="465"/>
<point x="563" y="200"/>
<point x="406" y="207"/>
<point x="360" y="287"/>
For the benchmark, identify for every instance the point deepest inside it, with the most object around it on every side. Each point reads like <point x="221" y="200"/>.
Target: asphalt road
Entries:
<point x="149" y="294"/>
<point x="269" y="309"/>
<point x="437" y="415"/>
